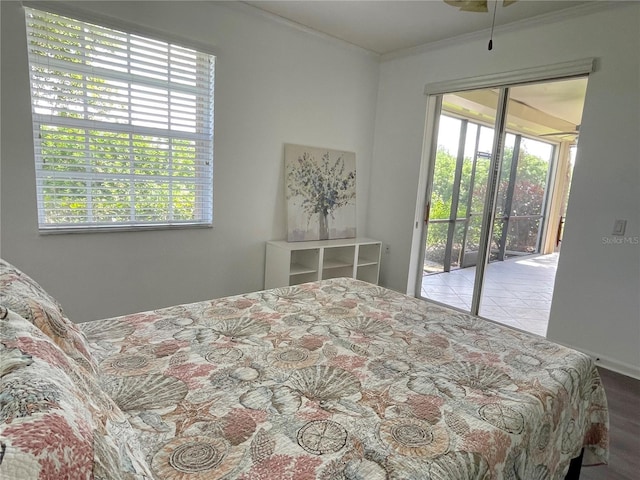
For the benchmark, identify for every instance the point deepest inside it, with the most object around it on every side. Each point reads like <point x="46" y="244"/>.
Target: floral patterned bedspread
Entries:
<point x="341" y="379"/>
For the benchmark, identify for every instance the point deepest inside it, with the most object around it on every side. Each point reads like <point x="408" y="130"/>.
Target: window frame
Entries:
<point x="205" y="197"/>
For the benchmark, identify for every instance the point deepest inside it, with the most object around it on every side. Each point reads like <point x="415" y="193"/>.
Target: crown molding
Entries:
<point x="544" y="19"/>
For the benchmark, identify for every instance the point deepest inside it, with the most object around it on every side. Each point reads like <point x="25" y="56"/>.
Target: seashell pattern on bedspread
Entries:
<point x="342" y="379"/>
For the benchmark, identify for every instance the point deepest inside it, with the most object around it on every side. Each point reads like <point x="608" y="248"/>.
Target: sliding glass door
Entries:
<point x="494" y="181"/>
<point x="488" y="196"/>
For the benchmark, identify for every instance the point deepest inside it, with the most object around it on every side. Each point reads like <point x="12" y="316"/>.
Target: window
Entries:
<point x="123" y="127"/>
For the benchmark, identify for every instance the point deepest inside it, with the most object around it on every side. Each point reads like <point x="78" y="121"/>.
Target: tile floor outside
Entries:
<point x="517" y="291"/>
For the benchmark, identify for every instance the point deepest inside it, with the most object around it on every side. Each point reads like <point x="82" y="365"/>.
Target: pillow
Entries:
<point x="25" y="297"/>
<point x="55" y="422"/>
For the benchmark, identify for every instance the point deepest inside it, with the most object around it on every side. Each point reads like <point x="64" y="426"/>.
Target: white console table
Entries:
<point x="291" y="263"/>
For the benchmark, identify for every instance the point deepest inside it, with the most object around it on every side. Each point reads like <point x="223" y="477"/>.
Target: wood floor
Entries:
<point x="623" y="397"/>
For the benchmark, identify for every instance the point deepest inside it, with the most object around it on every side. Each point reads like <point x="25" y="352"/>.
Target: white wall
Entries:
<point x="274" y="85"/>
<point x="596" y="301"/>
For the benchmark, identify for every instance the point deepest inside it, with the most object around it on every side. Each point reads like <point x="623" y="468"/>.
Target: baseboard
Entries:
<point x="615" y="365"/>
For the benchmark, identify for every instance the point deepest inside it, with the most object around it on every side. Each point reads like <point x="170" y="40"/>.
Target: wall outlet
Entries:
<point x="619" y="227"/>
<point x="387" y="249"/>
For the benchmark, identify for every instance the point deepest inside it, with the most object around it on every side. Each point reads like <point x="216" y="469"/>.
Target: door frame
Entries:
<point x="434" y="92"/>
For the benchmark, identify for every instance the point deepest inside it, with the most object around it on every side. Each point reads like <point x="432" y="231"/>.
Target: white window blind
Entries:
<point x="123" y="127"/>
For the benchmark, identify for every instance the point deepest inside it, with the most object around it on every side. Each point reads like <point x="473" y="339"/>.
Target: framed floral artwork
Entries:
<point x="320" y="186"/>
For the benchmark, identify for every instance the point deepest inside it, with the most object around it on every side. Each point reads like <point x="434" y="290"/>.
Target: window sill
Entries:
<point x="120" y="228"/>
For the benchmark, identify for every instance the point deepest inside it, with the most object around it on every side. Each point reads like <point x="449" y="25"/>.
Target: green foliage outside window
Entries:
<point x="162" y="189"/>
<point x="528" y="199"/>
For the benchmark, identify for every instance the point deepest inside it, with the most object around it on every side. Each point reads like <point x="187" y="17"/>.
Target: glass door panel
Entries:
<point x="458" y="190"/>
<point x="508" y="292"/>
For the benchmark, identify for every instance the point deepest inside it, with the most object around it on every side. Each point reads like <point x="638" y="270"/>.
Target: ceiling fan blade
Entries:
<point x="551" y="134"/>
<point x="557" y="134"/>
<point x="475" y="5"/>
<point x="469" y="5"/>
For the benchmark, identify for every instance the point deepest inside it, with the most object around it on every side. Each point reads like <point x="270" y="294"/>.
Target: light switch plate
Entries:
<point x="619" y="227"/>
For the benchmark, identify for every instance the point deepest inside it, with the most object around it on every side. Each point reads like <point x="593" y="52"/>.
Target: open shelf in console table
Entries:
<point x="292" y="263"/>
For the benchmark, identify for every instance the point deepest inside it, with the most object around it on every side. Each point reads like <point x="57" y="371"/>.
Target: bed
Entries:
<point x="337" y="379"/>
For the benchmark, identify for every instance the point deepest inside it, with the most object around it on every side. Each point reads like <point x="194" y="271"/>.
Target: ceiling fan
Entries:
<point x="479" y="6"/>
<point x="475" y="5"/>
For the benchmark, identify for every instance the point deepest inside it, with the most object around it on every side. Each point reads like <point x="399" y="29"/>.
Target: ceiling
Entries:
<point x="388" y="26"/>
